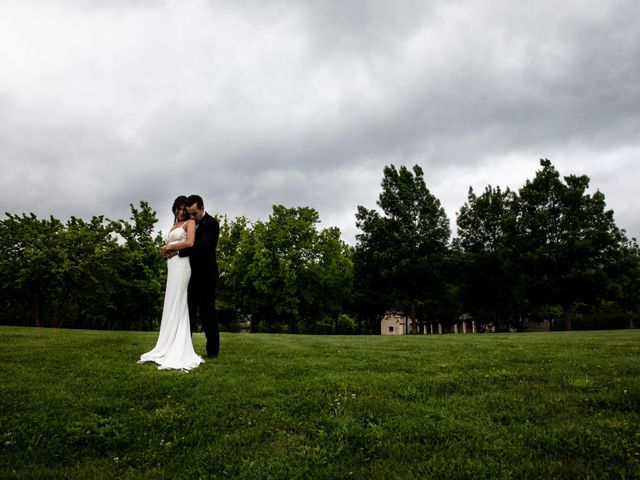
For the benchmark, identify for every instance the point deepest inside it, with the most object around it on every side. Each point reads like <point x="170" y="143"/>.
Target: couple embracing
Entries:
<point x="192" y="274"/>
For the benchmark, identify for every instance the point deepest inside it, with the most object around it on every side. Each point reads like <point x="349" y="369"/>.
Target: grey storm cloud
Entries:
<point x="255" y="103"/>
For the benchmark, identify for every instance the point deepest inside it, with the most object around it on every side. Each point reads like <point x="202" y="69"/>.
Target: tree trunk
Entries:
<point x="566" y="317"/>
<point x="56" y="318"/>
<point x="35" y="311"/>
<point x="499" y="325"/>
<point x="412" y="316"/>
<point x="375" y="324"/>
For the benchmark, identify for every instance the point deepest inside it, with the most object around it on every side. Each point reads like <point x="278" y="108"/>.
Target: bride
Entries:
<point x="174" y="349"/>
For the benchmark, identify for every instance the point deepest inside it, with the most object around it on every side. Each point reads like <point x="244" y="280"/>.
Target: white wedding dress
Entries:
<point x="174" y="349"/>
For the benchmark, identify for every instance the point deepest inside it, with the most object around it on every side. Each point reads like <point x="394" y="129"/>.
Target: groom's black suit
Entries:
<point x="204" y="278"/>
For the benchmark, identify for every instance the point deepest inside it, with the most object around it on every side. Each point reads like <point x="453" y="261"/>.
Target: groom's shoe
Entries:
<point x="212" y="355"/>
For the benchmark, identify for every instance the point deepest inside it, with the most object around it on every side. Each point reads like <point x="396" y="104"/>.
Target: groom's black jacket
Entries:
<point x="202" y="256"/>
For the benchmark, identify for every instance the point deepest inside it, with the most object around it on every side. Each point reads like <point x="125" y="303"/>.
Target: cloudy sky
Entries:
<point x="253" y="103"/>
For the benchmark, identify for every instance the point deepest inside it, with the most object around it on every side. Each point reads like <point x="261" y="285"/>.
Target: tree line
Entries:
<point x="549" y="251"/>
<point x="83" y="274"/>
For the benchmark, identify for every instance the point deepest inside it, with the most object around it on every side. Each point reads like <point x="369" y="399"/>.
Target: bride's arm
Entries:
<point x="186" y="243"/>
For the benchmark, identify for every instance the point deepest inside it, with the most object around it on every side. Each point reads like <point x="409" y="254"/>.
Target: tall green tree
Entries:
<point x="404" y="246"/>
<point x="625" y="284"/>
<point x="286" y="271"/>
<point x="30" y="263"/>
<point x="231" y="235"/>
<point x="568" y="240"/>
<point x="139" y="271"/>
<point x="491" y="286"/>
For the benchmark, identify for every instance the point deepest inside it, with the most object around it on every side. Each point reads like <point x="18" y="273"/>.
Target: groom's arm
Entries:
<point x="207" y="242"/>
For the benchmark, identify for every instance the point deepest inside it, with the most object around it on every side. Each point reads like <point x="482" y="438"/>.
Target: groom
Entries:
<point x="204" y="273"/>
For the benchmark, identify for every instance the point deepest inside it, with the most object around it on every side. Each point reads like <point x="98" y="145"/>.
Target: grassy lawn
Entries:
<point x="74" y="404"/>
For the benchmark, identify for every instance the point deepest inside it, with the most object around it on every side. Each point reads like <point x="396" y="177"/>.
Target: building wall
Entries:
<point x="543" y="326"/>
<point x="392" y="324"/>
<point x="396" y="324"/>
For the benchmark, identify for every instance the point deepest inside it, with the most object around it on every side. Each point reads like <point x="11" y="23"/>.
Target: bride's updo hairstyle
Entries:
<point x="182" y="200"/>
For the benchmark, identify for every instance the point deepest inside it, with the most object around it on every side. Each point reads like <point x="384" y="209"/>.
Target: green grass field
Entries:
<point x="74" y="404"/>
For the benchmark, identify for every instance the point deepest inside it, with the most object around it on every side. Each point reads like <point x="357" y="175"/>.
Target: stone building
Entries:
<point x="395" y="323"/>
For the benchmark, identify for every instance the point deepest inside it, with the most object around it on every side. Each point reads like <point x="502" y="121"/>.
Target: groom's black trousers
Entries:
<point x="202" y="299"/>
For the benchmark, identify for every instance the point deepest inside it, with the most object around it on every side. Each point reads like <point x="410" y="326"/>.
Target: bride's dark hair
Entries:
<point x="179" y="202"/>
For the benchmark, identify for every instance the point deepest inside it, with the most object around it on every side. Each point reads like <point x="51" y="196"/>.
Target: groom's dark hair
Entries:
<point x="197" y="199"/>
